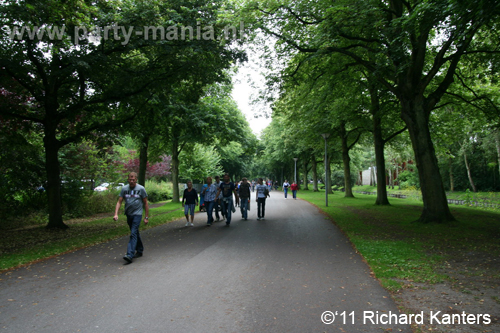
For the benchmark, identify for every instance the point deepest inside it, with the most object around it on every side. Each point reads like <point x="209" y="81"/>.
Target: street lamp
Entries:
<point x="326" y="136"/>
<point x="295" y="159"/>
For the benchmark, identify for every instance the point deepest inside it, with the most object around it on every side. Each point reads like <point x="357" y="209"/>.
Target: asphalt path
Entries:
<point x="279" y="274"/>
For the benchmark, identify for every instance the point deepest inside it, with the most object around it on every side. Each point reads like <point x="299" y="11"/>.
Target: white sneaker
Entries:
<point x="192" y="225"/>
<point x="187" y="224"/>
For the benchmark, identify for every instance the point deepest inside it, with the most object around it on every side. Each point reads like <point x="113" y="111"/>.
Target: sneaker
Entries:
<point x="227" y="224"/>
<point x="187" y="224"/>
<point x="245" y="219"/>
<point x="137" y="255"/>
<point x="258" y="218"/>
<point x="209" y="224"/>
<point x="127" y="259"/>
<point x="192" y="225"/>
<point x="262" y="218"/>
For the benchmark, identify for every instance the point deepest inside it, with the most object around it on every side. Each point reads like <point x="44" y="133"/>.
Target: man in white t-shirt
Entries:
<point x="262" y="194"/>
<point x="286" y="186"/>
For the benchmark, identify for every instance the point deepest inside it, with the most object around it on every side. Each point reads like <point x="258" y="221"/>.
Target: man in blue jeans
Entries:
<point x="244" y="194"/>
<point x="209" y="194"/>
<point x="227" y="188"/>
<point x="136" y="199"/>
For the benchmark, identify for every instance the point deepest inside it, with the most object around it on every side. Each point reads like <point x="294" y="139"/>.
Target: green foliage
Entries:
<point x="158" y="191"/>
<point x="408" y="179"/>
<point x="22" y="170"/>
<point x="88" y="160"/>
<point x="80" y="203"/>
<point x="199" y="162"/>
<point x="338" y="179"/>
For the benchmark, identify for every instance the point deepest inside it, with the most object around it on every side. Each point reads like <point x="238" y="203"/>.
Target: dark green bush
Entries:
<point x="408" y="179"/>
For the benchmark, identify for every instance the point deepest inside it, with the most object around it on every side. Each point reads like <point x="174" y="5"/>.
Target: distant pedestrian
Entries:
<point x="227" y="188"/>
<point x="189" y="202"/>
<point x="136" y="199"/>
<point x="262" y="194"/>
<point x="286" y="185"/>
<point x="217" y="205"/>
<point x="294" y="187"/>
<point x="253" y="185"/>
<point x="210" y="193"/>
<point x="244" y="194"/>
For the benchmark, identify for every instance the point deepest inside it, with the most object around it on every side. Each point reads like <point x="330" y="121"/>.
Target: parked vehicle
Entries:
<point x="100" y="188"/>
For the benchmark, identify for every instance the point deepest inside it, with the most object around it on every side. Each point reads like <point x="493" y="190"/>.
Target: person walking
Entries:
<point x="189" y="202"/>
<point x="244" y="194"/>
<point x="262" y="194"/>
<point x="209" y="194"/>
<point x="136" y="199"/>
<point x="294" y="187"/>
<point x="286" y="185"/>
<point x="217" y="204"/>
<point x="227" y="188"/>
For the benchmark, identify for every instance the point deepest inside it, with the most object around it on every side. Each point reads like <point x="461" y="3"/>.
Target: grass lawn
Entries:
<point x="481" y="197"/>
<point x="400" y="252"/>
<point x="18" y="247"/>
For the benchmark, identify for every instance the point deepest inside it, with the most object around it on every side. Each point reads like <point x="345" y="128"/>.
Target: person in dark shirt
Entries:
<point x="189" y="202"/>
<point x="227" y="189"/>
<point x="244" y="194"/>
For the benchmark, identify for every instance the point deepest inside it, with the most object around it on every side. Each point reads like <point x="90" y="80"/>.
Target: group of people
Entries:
<point x="294" y="187"/>
<point x="218" y="195"/>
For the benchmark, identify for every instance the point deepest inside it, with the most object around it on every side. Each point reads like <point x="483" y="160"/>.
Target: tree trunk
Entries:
<point x="143" y="160"/>
<point x="175" y="170"/>
<point x="53" y="169"/>
<point x="452" y="184"/>
<point x="314" y="168"/>
<point x="305" y="163"/>
<point x="467" y="166"/>
<point x="397" y="176"/>
<point x="346" y="159"/>
<point x="433" y="195"/>
<point x="380" y="162"/>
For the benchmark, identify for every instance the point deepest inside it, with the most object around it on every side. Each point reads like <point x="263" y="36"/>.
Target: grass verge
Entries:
<point x="20" y="247"/>
<point x="399" y="251"/>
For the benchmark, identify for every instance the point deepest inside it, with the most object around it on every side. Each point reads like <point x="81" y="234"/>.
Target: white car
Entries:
<point x="100" y="188"/>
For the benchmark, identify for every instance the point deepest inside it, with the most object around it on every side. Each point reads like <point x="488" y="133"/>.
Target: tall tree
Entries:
<point x="76" y="82"/>
<point x="412" y="48"/>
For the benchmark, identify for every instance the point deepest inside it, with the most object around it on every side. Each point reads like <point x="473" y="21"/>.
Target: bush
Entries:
<point x="89" y="203"/>
<point x="408" y="179"/>
<point x="158" y="191"/>
<point x="338" y="179"/>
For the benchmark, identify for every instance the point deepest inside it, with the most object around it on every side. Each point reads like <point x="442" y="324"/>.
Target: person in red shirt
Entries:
<point x="294" y="187"/>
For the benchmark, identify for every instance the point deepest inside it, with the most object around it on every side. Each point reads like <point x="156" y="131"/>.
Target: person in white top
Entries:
<point x="286" y="186"/>
<point x="262" y="194"/>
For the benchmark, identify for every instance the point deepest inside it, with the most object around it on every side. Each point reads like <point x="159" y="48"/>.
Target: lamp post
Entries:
<point x="326" y="136"/>
<point x="295" y="159"/>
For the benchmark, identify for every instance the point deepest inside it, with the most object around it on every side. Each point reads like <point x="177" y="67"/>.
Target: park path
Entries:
<point x="275" y="275"/>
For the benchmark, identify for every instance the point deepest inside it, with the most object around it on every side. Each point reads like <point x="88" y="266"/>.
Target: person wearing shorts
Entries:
<point x="189" y="202"/>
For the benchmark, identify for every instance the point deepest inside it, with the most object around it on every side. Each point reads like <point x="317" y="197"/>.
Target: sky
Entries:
<point x="243" y="92"/>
